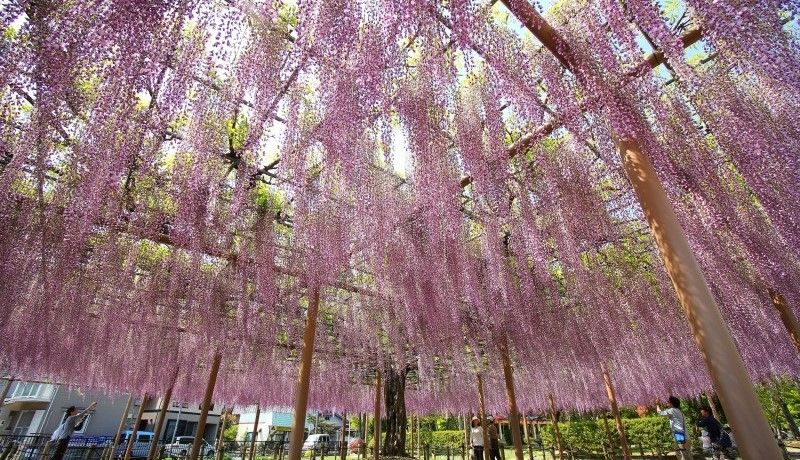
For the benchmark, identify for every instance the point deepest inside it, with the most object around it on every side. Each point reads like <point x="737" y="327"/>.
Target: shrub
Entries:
<point x="583" y="435"/>
<point x="648" y="431"/>
<point x="589" y="435"/>
<point x="448" y="438"/>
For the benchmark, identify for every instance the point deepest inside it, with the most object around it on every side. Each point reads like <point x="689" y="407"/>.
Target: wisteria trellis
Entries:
<point x="175" y="175"/>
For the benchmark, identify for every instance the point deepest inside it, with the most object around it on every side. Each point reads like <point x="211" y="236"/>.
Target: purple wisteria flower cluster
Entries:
<point x="177" y="176"/>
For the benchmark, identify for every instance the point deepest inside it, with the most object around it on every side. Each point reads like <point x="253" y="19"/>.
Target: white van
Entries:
<point x="316" y="441"/>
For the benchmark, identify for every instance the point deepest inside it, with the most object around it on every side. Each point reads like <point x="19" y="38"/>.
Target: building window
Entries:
<point x="20" y="422"/>
<point x="27" y="390"/>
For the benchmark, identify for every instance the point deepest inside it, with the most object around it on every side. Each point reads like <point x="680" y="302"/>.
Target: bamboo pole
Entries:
<point x="377" y="424"/>
<point x="787" y="316"/>
<point x="135" y="428"/>
<point x="513" y="411"/>
<point x="121" y="426"/>
<point x="255" y="432"/>
<point x="612" y="399"/>
<point x="556" y="431"/>
<point x="162" y="414"/>
<point x="206" y="406"/>
<point x="482" y="409"/>
<point x="344" y="436"/>
<point x="303" y="379"/>
<point x="726" y="368"/>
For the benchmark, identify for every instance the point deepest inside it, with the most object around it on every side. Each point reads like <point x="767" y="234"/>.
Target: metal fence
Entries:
<point x="38" y="447"/>
<point x="278" y="450"/>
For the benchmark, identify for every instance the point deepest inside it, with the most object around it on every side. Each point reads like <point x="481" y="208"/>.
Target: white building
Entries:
<point x="181" y="420"/>
<point x="31" y="408"/>
<point x="276" y="425"/>
<point x="37" y="408"/>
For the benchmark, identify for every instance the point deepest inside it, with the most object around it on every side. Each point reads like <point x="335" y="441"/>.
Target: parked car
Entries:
<point x="141" y="445"/>
<point x="183" y="446"/>
<point x="316" y="442"/>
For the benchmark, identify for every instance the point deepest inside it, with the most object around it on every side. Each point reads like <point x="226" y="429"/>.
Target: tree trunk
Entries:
<point x="395" y="422"/>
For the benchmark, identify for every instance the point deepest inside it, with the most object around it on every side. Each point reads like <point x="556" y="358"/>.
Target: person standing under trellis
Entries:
<point x="72" y="422"/>
<point x="476" y="438"/>
<point x="677" y="423"/>
<point x="720" y="441"/>
<point x="494" y="439"/>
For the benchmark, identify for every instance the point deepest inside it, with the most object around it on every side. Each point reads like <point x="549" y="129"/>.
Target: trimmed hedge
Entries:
<point x="449" y="438"/>
<point x="590" y="435"/>
<point x="438" y="439"/>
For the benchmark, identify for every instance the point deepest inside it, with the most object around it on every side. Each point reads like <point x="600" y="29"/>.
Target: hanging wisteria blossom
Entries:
<point x="177" y="178"/>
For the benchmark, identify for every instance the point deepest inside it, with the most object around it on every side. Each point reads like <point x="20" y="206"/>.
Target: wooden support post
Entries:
<point x="787" y="316"/>
<point x="467" y="425"/>
<point x="121" y="426"/>
<point x="525" y="428"/>
<point x="482" y="415"/>
<point x="528" y="430"/>
<point x="46" y="448"/>
<point x="162" y="414"/>
<point x="377" y="424"/>
<point x="344" y="436"/>
<point x="608" y="436"/>
<point x="206" y="406"/>
<point x="221" y="438"/>
<point x="513" y="412"/>
<point x="726" y="368"/>
<point x="411" y="435"/>
<point x="255" y="432"/>
<point x="419" y="436"/>
<point x="612" y="399"/>
<point x="556" y="431"/>
<point x="135" y="428"/>
<point x="304" y="378"/>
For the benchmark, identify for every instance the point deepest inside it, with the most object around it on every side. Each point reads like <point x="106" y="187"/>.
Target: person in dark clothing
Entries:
<point x="73" y="421"/>
<point x="720" y="441"/>
<point x="494" y="439"/>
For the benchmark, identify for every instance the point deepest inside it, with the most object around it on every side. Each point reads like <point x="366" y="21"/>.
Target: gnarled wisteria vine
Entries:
<point x="176" y="177"/>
